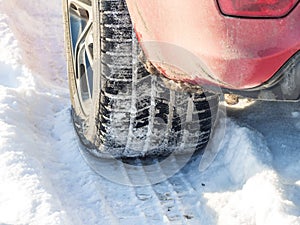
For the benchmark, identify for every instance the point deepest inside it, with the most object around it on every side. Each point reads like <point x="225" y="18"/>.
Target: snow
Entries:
<point x="254" y="179"/>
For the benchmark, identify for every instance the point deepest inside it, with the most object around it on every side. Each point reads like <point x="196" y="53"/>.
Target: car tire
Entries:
<point x="119" y="109"/>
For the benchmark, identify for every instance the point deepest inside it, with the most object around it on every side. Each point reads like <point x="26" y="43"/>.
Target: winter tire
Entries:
<point x="118" y="108"/>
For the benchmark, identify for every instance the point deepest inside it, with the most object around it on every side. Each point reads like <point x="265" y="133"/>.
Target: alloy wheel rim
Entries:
<point x="81" y="33"/>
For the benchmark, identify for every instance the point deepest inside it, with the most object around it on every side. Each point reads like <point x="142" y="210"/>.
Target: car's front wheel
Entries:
<point x="118" y="108"/>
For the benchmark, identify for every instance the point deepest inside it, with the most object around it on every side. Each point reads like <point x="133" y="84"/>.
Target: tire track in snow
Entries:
<point x="82" y="189"/>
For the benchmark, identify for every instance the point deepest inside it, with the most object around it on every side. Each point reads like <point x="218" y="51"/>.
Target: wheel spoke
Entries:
<point x="82" y="37"/>
<point x="81" y="83"/>
<point x="84" y="80"/>
<point x="80" y="6"/>
<point x="89" y="45"/>
<point x="89" y="76"/>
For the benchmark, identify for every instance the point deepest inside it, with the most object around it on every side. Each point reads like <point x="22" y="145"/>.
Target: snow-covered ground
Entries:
<point x="255" y="178"/>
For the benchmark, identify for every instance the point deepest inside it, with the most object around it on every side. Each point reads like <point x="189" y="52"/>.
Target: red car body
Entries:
<point x="234" y="52"/>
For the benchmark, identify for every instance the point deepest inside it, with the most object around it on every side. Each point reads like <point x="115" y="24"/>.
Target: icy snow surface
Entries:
<point x="255" y="178"/>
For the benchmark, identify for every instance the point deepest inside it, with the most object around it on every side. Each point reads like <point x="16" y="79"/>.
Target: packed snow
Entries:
<point x="254" y="179"/>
